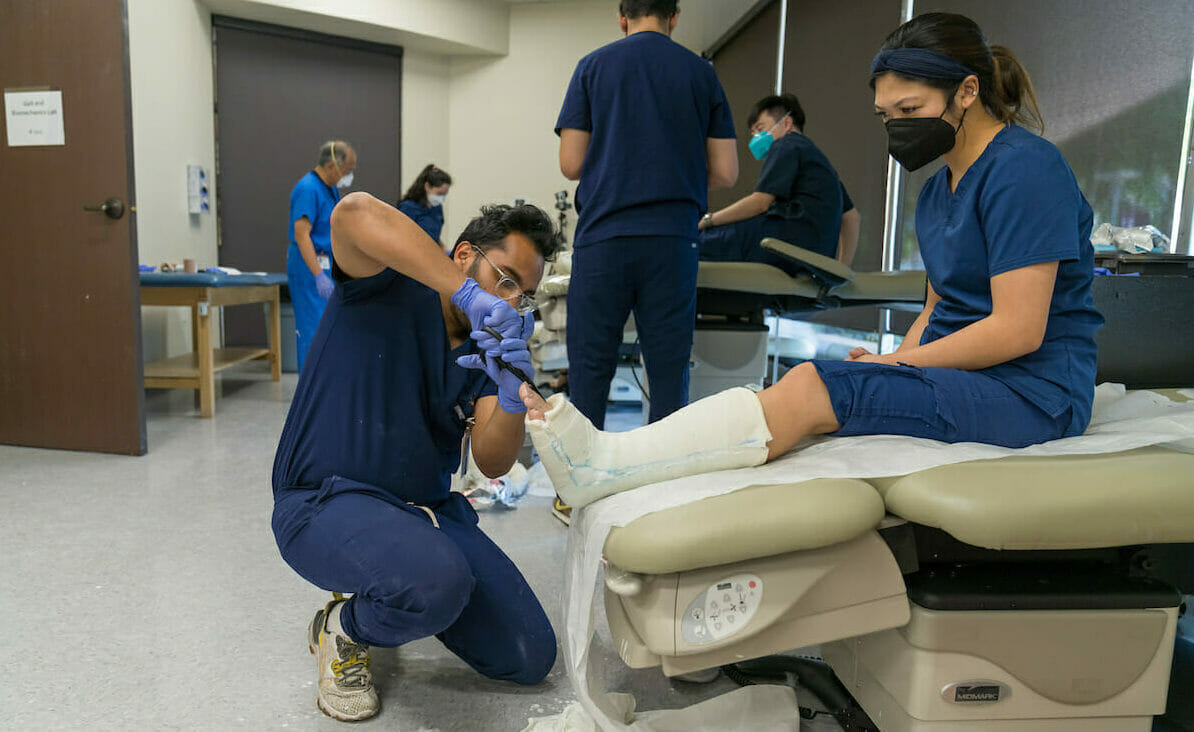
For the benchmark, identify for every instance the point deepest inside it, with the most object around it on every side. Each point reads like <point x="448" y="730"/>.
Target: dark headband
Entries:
<point x="920" y="63"/>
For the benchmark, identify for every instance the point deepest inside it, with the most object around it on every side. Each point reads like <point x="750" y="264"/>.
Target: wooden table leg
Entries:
<point x="275" y="335"/>
<point x="195" y="349"/>
<point x="207" y="392"/>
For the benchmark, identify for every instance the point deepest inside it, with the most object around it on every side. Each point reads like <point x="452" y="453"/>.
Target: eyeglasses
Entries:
<point x="507" y="289"/>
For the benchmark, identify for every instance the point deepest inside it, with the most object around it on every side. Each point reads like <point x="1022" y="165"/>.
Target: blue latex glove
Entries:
<point x="485" y="309"/>
<point x="511" y="350"/>
<point x="486" y="342"/>
<point x="324" y="285"/>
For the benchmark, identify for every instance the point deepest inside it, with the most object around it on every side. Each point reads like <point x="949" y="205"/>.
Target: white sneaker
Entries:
<point x="345" y="689"/>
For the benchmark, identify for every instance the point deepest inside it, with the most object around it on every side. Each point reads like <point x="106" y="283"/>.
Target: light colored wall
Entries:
<point x="435" y="26"/>
<point x="425" y="90"/>
<point x="703" y="22"/>
<point x="503" y="110"/>
<point x="173" y="126"/>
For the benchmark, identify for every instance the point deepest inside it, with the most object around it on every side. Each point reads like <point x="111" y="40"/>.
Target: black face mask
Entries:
<point x="915" y="142"/>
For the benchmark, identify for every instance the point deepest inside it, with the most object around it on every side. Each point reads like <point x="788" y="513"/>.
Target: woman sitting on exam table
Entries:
<point x="1003" y="351"/>
<point x="423" y="202"/>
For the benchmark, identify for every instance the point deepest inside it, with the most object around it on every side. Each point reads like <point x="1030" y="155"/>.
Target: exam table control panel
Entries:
<point x="724" y="608"/>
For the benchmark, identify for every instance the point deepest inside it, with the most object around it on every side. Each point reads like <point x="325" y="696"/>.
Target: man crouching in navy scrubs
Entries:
<point x="399" y="369"/>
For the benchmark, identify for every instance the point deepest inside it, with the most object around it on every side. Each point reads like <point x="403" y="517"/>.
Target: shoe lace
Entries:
<point x="352" y="668"/>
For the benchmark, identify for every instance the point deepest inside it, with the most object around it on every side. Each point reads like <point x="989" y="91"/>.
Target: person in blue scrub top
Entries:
<point x="423" y="202"/>
<point x="308" y="258"/>
<point x="1003" y="351"/>
<point x="399" y="373"/>
<point x="646" y="129"/>
<point x="798" y="198"/>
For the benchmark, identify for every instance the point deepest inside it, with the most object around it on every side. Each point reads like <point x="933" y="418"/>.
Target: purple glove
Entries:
<point x="486" y="342"/>
<point x="511" y="350"/>
<point x="484" y="309"/>
<point x="324" y="285"/>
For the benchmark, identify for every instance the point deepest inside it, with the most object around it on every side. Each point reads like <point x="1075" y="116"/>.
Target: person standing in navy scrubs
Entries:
<point x="423" y="202"/>
<point x="646" y="129"/>
<point x="308" y="258"/>
<point x="399" y="371"/>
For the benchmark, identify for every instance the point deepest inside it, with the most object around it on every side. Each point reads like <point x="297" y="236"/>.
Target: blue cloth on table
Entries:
<point x="210" y="279"/>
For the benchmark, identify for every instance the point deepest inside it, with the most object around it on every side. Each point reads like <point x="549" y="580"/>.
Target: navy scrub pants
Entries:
<point x="741" y="241"/>
<point x="655" y="278"/>
<point x="949" y="405"/>
<point x="411" y="580"/>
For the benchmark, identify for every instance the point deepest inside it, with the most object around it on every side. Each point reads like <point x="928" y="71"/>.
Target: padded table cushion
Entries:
<point x="828" y="269"/>
<point x="758" y="521"/>
<point x="1141" y="496"/>
<point x="903" y="286"/>
<point x="754" y="278"/>
<point x="210" y="279"/>
<point x="763" y="279"/>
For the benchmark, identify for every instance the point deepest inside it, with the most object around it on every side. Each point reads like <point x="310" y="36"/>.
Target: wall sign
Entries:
<point x="34" y="118"/>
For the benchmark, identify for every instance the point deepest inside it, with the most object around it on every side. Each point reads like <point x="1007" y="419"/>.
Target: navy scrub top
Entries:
<point x="313" y="198"/>
<point x="429" y="218"/>
<point x="378" y="397"/>
<point x="1017" y="205"/>
<point x="808" y="207"/>
<point x="847" y="203"/>
<point x="650" y="104"/>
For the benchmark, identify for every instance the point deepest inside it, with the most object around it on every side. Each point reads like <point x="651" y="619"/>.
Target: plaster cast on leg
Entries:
<point x="723" y="431"/>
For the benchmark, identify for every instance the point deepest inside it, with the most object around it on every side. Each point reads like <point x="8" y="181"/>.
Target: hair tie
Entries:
<point x="919" y="62"/>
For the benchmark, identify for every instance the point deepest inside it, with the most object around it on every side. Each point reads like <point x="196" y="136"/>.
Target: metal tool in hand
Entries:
<point x="518" y="373"/>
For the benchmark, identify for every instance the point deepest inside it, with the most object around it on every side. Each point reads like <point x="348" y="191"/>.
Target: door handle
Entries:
<point x="113" y="208"/>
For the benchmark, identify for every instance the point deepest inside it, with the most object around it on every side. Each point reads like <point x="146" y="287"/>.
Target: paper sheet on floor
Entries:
<point x="1120" y="422"/>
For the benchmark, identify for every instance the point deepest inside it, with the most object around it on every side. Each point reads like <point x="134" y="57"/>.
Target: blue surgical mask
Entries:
<point x="761" y="142"/>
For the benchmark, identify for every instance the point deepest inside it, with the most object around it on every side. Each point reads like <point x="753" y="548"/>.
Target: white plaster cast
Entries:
<point x="720" y="432"/>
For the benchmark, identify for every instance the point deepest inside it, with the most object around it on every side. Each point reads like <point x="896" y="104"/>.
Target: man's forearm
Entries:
<point x="496" y="440"/>
<point x="742" y="209"/>
<point x="912" y="337"/>
<point x="984" y="343"/>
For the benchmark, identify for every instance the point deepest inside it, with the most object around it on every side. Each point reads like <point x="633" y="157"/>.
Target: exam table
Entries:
<point x="202" y="292"/>
<point x="1012" y="594"/>
<point x="740" y="289"/>
<point x="1023" y="593"/>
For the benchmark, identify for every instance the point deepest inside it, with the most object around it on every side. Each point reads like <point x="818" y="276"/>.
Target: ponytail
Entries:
<point x="430" y="175"/>
<point x="1013" y="98"/>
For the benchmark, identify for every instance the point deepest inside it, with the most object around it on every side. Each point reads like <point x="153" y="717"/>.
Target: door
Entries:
<point x="70" y="328"/>
<point x="280" y="93"/>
